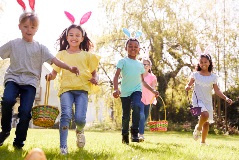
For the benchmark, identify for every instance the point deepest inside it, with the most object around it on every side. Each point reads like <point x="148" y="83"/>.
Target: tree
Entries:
<point x="172" y="29"/>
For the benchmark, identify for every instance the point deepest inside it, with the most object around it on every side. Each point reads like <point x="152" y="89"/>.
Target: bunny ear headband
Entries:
<point x="205" y="53"/>
<point x="84" y="18"/>
<point x="128" y="34"/>
<point x="22" y="4"/>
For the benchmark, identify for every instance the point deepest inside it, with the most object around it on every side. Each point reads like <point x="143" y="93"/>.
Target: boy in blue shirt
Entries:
<point x="131" y="89"/>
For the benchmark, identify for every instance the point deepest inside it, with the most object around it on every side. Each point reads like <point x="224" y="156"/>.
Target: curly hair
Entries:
<point x="210" y="68"/>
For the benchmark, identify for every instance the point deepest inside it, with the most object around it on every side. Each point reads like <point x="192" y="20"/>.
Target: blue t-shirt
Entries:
<point x="131" y="71"/>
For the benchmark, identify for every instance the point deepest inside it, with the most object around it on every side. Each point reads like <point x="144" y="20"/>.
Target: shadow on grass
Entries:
<point x="80" y="154"/>
<point x="11" y="154"/>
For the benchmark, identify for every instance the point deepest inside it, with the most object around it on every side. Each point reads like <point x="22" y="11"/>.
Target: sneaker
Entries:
<point x="3" y="137"/>
<point x="196" y="133"/>
<point x="64" y="150"/>
<point x="80" y="139"/>
<point x="125" y="139"/>
<point x="18" y="145"/>
<point x="141" y="138"/>
<point x="204" y="144"/>
<point x="134" y="138"/>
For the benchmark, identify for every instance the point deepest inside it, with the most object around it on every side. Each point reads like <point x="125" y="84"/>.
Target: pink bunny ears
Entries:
<point x="206" y="51"/>
<point x="25" y="13"/>
<point x="83" y="20"/>
<point x="31" y="4"/>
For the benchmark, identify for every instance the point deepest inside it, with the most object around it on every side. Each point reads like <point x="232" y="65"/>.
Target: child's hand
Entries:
<point x="228" y="100"/>
<point x="187" y="87"/>
<point x="156" y="93"/>
<point x="94" y="81"/>
<point x="49" y="77"/>
<point x="116" y="93"/>
<point x="74" y="70"/>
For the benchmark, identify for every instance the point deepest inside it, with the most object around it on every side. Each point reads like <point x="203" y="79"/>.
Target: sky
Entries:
<point x="52" y="19"/>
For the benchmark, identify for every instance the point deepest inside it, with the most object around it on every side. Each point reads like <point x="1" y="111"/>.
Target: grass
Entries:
<point x="106" y="145"/>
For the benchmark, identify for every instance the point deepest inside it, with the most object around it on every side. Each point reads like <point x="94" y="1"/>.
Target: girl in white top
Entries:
<point x="204" y="80"/>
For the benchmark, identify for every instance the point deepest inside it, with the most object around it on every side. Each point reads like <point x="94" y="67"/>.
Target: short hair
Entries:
<point x="131" y="39"/>
<point x="31" y="16"/>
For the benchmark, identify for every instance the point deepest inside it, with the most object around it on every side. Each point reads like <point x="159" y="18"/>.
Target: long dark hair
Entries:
<point x="85" y="45"/>
<point x="198" y="68"/>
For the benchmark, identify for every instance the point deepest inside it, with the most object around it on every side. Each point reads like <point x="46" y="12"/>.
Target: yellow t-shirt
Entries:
<point x="86" y="63"/>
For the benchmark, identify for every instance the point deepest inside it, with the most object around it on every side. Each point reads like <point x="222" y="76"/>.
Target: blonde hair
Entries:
<point x="31" y="16"/>
<point x="150" y="63"/>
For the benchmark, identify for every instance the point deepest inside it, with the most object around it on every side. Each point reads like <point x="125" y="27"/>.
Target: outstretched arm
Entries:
<point x="63" y="65"/>
<point x="149" y="87"/>
<point x="220" y="94"/>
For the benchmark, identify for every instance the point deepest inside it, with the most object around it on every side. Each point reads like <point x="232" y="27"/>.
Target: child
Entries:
<point x="23" y="75"/>
<point x="147" y="96"/>
<point x="204" y="80"/>
<point x="74" y="47"/>
<point x="131" y="85"/>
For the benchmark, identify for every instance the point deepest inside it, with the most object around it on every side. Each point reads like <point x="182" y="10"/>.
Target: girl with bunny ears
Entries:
<point x="74" y="49"/>
<point x="131" y="71"/>
<point x="147" y="95"/>
<point x="204" y="80"/>
<point x="23" y="75"/>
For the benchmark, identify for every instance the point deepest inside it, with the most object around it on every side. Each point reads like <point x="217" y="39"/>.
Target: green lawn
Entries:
<point x="106" y="145"/>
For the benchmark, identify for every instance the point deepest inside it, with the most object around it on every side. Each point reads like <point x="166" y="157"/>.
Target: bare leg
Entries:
<point x="205" y="129"/>
<point x="201" y="126"/>
<point x="202" y="120"/>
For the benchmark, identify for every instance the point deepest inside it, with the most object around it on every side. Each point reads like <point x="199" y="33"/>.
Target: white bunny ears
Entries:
<point x="128" y="34"/>
<point x="84" y="18"/>
<point x="206" y="51"/>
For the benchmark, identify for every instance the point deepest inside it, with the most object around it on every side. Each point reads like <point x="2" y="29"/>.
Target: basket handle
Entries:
<point x="47" y="90"/>
<point x="164" y="108"/>
<point x="163" y="105"/>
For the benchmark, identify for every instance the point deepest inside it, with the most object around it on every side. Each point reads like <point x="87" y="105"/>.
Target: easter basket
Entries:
<point x="45" y="115"/>
<point x="161" y="125"/>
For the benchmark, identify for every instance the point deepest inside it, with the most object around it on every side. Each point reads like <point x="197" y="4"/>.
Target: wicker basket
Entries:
<point x="45" y="115"/>
<point x="161" y="125"/>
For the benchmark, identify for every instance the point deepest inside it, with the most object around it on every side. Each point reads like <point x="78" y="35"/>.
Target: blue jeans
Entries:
<point x="27" y="96"/>
<point x="144" y="114"/>
<point x="80" y="99"/>
<point x="134" y="102"/>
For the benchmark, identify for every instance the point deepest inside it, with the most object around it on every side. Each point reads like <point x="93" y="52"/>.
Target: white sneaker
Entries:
<point x="196" y="133"/>
<point x="204" y="144"/>
<point x="80" y="139"/>
<point x="141" y="138"/>
<point x="64" y="151"/>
